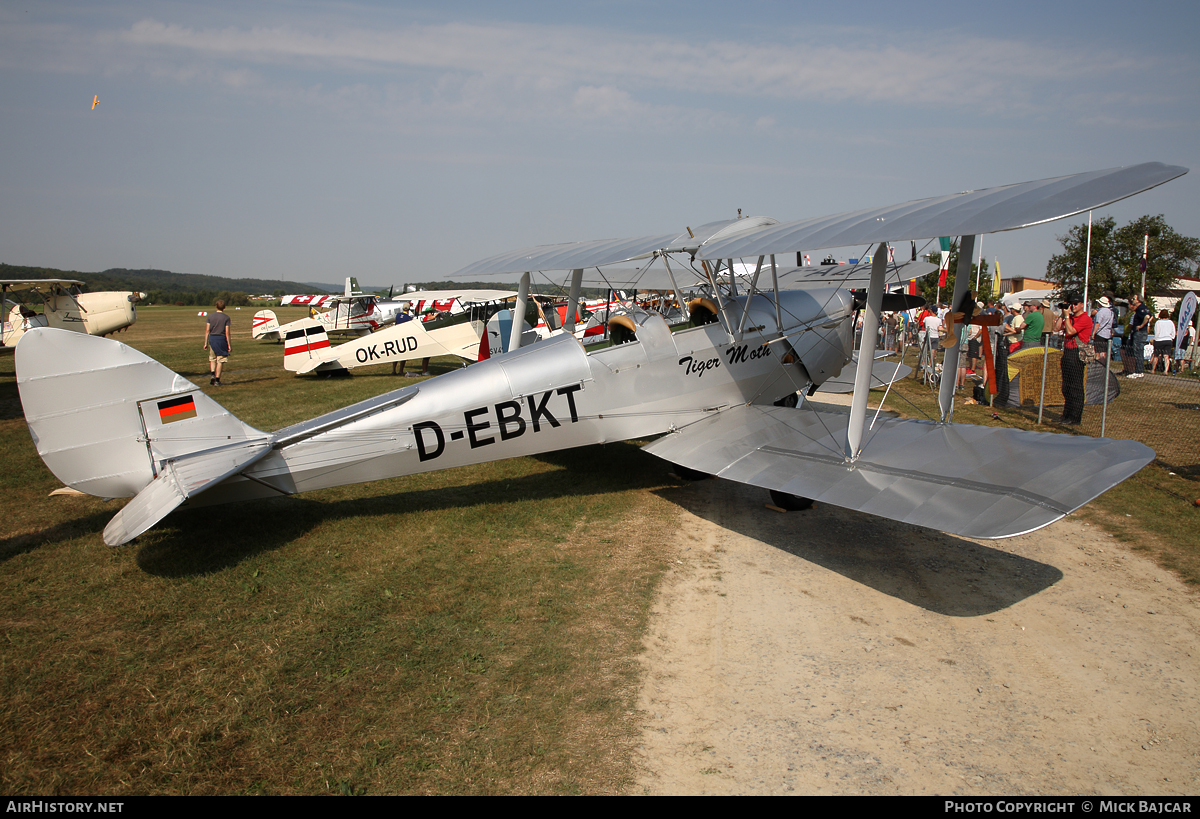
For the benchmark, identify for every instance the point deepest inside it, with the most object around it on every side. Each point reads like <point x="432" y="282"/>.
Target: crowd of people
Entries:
<point x="1082" y="332"/>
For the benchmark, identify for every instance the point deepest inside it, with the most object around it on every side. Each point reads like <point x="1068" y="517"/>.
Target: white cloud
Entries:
<point x="1000" y="74"/>
<point x="464" y="73"/>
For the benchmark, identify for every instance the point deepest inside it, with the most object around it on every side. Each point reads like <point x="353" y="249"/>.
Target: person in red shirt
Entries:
<point x="1076" y="327"/>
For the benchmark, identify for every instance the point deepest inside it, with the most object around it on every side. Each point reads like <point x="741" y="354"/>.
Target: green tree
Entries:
<point x="928" y="285"/>
<point x="1117" y="254"/>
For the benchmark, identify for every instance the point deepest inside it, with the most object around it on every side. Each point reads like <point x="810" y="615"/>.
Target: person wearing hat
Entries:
<point x="1049" y="316"/>
<point x="1103" y="331"/>
<point x="1076" y="327"/>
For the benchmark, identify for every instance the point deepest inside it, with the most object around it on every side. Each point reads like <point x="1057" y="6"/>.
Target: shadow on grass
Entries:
<point x="932" y="570"/>
<point x="61" y="532"/>
<point x="208" y="539"/>
<point x="10" y="397"/>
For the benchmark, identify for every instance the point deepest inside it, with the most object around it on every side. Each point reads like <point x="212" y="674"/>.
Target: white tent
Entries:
<point x="1022" y="296"/>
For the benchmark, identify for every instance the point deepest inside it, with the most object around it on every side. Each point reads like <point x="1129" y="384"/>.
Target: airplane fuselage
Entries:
<point x="96" y="314"/>
<point x="555" y="395"/>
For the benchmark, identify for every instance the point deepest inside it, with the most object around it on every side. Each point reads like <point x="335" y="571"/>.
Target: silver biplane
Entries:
<point x="110" y="421"/>
<point x="64" y="306"/>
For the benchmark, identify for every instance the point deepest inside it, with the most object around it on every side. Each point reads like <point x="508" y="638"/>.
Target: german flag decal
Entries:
<point x="177" y="409"/>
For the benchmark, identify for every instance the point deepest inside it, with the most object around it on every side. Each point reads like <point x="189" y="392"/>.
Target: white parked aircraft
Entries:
<point x="454" y="331"/>
<point x="353" y="313"/>
<point x="110" y="421"/>
<point x="65" y="307"/>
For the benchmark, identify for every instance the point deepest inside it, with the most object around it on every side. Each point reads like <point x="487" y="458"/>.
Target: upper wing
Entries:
<point x="960" y="214"/>
<point x="602" y="252"/>
<point x="984" y="482"/>
<point x="33" y="284"/>
<point x="465" y="296"/>
<point x="967" y="213"/>
<point x="568" y="256"/>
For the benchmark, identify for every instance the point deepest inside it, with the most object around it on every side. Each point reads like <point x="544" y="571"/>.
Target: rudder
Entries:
<point x="105" y="417"/>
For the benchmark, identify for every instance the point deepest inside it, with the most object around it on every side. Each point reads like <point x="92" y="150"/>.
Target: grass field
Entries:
<point x="466" y="631"/>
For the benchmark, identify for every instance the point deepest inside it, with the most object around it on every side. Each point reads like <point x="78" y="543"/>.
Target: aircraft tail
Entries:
<point x="265" y="323"/>
<point x="303" y="345"/>
<point x="110" y="421"/>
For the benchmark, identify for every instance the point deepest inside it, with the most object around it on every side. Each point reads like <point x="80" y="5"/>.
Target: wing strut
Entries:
<point x="962" y="280"/>
<point x="775" y="288"/>
<point x="671" y="273"/>
<point x="741" y="330"/>
<point x="514" y="335"/>
<point x="573" y="300"/>
<point x="866" y="353"/>
<point x="714" y="278"/>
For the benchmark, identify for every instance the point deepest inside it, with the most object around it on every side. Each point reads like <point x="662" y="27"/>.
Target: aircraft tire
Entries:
<point x="789" y="400"/>
<point x="790" y="503"/>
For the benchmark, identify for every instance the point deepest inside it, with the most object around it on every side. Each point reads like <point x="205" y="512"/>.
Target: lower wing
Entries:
<point x="982" y="482"/>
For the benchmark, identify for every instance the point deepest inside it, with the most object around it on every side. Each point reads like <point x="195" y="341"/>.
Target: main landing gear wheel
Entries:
<point x="790" y="503"/>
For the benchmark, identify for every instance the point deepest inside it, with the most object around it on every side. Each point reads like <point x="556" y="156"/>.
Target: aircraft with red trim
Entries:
<point x="455" y="331"/>
<point x="352" y="313"/>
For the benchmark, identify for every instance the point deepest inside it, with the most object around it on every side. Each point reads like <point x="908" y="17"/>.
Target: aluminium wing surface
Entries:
<point x="567" y="256"/>
<point x="983" y="482"/>
<point x="962" y="214"/>
<point x="841" y="275"/>
<point x="602" y="252"/>
<point x="466" y="296"/>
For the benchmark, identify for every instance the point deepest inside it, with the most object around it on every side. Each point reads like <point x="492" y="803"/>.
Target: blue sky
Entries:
<point x="401" y="141"/>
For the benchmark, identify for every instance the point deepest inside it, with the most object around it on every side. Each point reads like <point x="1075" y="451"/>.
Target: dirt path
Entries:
<point x="832" y="652"/>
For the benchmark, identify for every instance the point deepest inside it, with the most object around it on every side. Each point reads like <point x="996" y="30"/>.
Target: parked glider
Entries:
<point x="64" y="306"/>
<point x="110" y="421"/>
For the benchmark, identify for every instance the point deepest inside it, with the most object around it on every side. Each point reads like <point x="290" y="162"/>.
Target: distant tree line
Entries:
<point x="165" y="287"/>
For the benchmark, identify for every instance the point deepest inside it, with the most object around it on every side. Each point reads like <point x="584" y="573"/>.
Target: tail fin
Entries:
<point x="303" y="343"/>
<point x="265" y="323"/>
<point x="110" y="421"/>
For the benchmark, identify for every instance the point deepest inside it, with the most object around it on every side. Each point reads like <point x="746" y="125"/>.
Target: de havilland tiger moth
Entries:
<point x="725" y="396"/>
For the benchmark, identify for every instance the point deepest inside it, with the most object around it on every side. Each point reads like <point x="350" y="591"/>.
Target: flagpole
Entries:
<point x="1145" y="248"/>
<point x="1087" y="263"/>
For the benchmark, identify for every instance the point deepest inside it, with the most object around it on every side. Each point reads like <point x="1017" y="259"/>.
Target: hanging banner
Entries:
<point x="1187" y="310"/>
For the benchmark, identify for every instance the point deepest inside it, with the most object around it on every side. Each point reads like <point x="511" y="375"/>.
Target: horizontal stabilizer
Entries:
<point x="982" y="482"/>
<point x="178" y="480"/>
